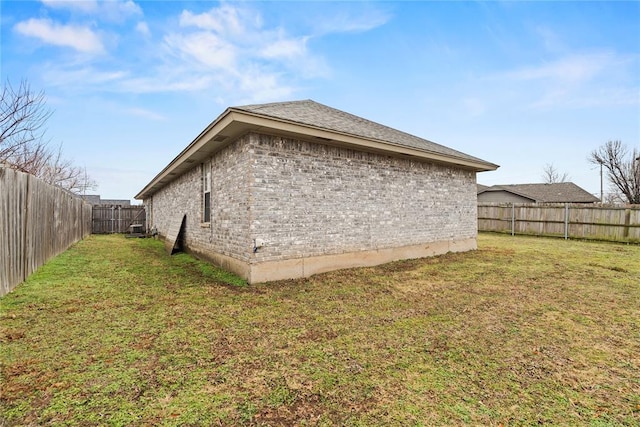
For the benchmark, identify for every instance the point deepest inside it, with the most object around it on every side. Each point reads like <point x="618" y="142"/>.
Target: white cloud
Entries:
<point x="80" y="38"/>
<point x="228" y="51"/>
<point x="147" y="114"/>
<point x="181" y="79"/>
<point x="232" y="43"/>
<point x="72" y="76"/>
<point x="226" y="19"/>
<point x="578" y="81"/>
<point x="117" y="10"/>
<point x="143" y="28"/>
<point x="206" y="48"/>
<point x="586" y="80"/>
<point x="286" y="48"/>
<point x="260" y="85"/>
<point x="572" y="69"/>
<point x="109" y="10"/>
<point x="588" y="98"/>
<point x="346" y="21"/>
<point x="84" y="6"/>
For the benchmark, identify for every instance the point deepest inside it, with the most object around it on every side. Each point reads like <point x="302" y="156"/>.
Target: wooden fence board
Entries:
<point x="620" y="224"/>
<point x="12" y="191"/>
<point x="117" y="219"/>
<point x="37" y="222"/>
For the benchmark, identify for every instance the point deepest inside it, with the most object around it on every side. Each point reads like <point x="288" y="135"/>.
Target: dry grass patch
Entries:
<point x="522" y="331"/>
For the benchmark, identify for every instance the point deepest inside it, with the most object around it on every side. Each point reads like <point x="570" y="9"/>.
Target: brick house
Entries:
<point x="291" y="189"/>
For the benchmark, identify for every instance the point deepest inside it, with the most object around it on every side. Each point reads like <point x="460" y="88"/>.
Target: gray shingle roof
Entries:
<point x="302" y="119"/>
<point x="561" y="192"/>
<point x="314" y="114"/>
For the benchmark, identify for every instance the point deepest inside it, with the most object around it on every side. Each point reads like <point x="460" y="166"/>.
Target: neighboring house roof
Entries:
<point x="95" y="199"/>
<point x="561" y="192"/>
<point x="481" y="188"/>
<point x="309" y="120"/>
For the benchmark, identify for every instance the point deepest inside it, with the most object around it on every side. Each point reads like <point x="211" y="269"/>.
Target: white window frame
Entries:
<point x="206" y="192"/>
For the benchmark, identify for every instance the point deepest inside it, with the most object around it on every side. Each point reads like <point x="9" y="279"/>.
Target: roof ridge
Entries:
<point x="271" y="104"/>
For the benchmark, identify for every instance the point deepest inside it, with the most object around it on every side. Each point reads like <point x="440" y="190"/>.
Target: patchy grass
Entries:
<point x="522" y="331"/>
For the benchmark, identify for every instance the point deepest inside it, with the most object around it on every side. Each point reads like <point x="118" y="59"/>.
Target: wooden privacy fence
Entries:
<point x="37" y="221"/>
<point x="578" y="221"/>
<point x="117" y="219"/>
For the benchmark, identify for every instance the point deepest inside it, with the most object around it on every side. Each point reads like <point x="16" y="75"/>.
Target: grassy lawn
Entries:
<point x="522" y="331"/>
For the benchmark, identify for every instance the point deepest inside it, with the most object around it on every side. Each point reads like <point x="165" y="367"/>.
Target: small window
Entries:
<point x="206" y="192"/>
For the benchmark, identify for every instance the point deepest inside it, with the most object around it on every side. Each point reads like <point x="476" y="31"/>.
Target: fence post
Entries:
<point x="566" y="221"/>
<point x="627" y="222"/>
<point x="614" y="223"/>
<point x="26" y="224"/>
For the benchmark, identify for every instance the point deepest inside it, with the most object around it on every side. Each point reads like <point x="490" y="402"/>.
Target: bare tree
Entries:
<point x="63" y="173"/>
<point x="23" y="117"/>
<point x="623" y="168"/>
<point x="614" y="198"/>
<point x="550" y="175"/>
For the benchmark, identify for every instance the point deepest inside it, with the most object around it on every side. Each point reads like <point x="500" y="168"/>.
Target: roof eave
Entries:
<point x="212" y="133"/>
<point x="234" y="122"/>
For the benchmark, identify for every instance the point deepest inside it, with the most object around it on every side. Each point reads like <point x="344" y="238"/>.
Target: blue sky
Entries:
<point x="520" y="84"/>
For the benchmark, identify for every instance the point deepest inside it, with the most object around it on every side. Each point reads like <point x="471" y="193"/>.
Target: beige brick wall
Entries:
<point x="311" y="199"/>
<point x="305" y="199"/>
<point x="228" y="231"/>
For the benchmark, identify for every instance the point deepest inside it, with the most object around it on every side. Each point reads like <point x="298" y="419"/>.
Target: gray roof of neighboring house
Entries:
<point x="311" y="113"/>
<point x="95" y="199"/>
<point x="481" y="187"/>
<point x="561" y="192"/>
